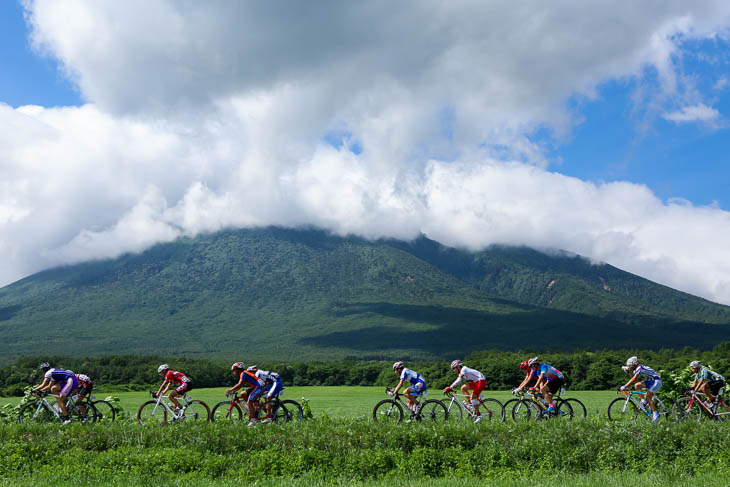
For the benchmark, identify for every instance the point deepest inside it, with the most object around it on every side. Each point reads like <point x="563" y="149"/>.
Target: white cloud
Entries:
<point x="203" y="116"/>
<point x="694" y="113"/>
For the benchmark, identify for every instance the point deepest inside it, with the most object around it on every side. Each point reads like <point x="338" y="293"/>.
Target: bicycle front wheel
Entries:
<point x="35" y="412"/>
<point x="106" y="412"/>
<point x="453" y="411"/>
<point x="524" y="410"/>
<point x="493" y="410"/>
<point x="224" y="412"/>
<point x="294" y="411"/>
<point x="433" y="411"/>
<point x="149" y="413"/>
<point x="622" y="411"/>
<point x="687" y="410"/>
<point x="387" y="411"/>
<point x="196" y="412"/>
<point x="509" y="406"/>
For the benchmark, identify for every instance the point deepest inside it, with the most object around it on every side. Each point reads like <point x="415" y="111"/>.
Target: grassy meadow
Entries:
<point x="342" y="445"/>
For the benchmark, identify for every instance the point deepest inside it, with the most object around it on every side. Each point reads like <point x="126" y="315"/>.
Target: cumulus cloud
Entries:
<point x="203" y="116"/>
<point x="695" y="113"/>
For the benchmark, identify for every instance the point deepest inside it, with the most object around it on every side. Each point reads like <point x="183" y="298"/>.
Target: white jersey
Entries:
<point x="411" y="376"/>
<point x="646" y="373"/>
<point x="267" y="376"/>
<point x="469" y="375"/>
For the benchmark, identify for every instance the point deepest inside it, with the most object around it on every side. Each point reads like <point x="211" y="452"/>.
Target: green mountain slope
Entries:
<point x="302" y="294"/>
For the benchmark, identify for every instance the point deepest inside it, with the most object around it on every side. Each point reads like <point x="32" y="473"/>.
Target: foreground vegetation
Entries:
<point x="327" y="450"/>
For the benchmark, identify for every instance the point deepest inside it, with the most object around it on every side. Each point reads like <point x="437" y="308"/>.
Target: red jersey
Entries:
<point x="176" y="377"/>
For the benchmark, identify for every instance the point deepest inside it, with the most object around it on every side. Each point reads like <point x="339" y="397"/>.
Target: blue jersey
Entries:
<point x="59" y="375"/>
<point x="551" y="373"/>
<point x="646" y="374"/>
<point x="411" y="376"/>
<point x="707" y="374"/>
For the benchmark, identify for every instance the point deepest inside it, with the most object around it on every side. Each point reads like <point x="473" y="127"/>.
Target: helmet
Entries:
<point x="525" y="364"/>
<point x="162" y="368"/>
<point x="237" y="366"/>
<point x="253" y="368"/>
<point x="632" y="362"/>
<point x="45" y="366"/>
<point x="625" y="368"/>
<point x="532" y="361"/>
<point x="456" y="363"/>
<point x="398" y="365"/>
<point x="695" y="364"/>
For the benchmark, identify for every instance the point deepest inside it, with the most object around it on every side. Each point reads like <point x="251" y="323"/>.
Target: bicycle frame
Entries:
<point x="639" y="406"/>
<point x="184" y="401"/>
<point x="453" y="399"/>
<point x="44" y="402"/>
<point x="711" y="411"/>
<point x="399" y="398"/>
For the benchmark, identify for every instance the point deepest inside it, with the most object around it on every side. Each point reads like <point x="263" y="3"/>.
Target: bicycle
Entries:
<point x="233" y="410"/>
<point x="156" y="411"/>
<point x="455" y="408"/>
<point x="629" y="409"/>
<point x="43" y="411"/>
<point x="692" y="407"/>
<point x="105" y="410"/>
<point x="391" y="410"/>
<point x="530" y="403"/>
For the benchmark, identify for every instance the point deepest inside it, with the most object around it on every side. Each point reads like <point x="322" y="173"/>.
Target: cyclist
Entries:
<point x="529" y="376"/>
<point x="706" y="381"/>
<point x="644" y="377"/>
<point x="173" y="377"/>
<point x="62" y="383"/>
<point x="475" y="381"/>
<point x="272" y="387"/>
<point x="85" y="388"/>
<point x="549" y="380"/>
<point x="417" y="387"/>
<point x="256" y="385"/>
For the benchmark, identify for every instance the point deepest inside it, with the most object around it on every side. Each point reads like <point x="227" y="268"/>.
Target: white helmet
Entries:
<point x="162" y="368"/>
<point x="533" y="361"/>
<point x="456" y="363"/>
<point x="695" y="364"/>
<point x="632" y="362"/>
<point x="398" y="365"/>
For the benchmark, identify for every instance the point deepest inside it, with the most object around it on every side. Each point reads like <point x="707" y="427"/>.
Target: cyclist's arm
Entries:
<point x="165" y="385"/>
<point x="698" y="386"/>
<point x="540" y="380"/>
<point x="44" y="386"/>
<point x="631" y="381"/>
<point x="527" y="380"/>
<point x="235" y="388"/>
<point x="397" y="388"/>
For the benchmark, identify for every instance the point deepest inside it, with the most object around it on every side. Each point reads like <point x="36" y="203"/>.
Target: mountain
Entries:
<point x="286" y="294"/>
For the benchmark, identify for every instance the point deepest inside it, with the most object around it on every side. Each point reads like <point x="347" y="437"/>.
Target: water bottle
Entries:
<point x="562" y="391"/>
<point x="188" y="400"/>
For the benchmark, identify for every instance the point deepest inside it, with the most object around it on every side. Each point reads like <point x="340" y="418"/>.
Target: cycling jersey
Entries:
<point x="257" y="385"/>
<point x="176" y="377"/>
<point x="470" y="375"/>
<point x="646" y="374"/>
<point x="267" y="376"/>
<point x="84" y="379"/>
<point x="274" y="386"/>
<point x="549" y="372"/>
<point x="59" y="375"/>
<point x="85" y="386"/>
<point x="411" y="376"/>
<point x="707" y="374"/>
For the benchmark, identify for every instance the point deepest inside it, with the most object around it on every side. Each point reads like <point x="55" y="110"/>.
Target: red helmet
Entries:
<point x="237" y="366"/>
<point x="525" y="364"/>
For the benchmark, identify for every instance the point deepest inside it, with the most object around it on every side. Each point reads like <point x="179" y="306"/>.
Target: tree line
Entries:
<point x="584" y="370"/>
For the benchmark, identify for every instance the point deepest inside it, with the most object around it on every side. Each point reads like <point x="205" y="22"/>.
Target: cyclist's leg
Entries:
<point x="56" y="391"/>
<point x="652" y="388"/>
<point x="251" y="401"/>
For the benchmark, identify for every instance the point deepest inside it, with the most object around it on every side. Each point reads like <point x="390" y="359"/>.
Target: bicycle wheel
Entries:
<point x="91" y="415"/>
<point x="387" y="411"/>
<point x="663" y="407"/>
<point x="35" y="412"/>
<point x="687" y="410"/>
<point x="149" y="413"/>
<point x="508" y="406"/>
<point x="524" y="410"/>
<point x="106" y="411"/>
<point x="493" y="410"/>
<point x="453" y="411"/>
<point x="723" y="410"/>
<point x="224" y="412"/>
<point x="579" y="409"/>
<point x="563" y="411"/>
<point x="621" y="411"/>
<point x="196" y="412"/>
<point x="294" y="411"/>
<point x="433" y="411"/>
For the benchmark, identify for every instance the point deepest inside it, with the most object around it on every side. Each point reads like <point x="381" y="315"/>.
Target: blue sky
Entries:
<point x="601" y="130"/>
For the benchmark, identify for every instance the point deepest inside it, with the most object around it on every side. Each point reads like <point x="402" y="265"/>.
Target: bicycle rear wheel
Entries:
<point x="579" y="409"/>
<point x="433" y="411"/>
<point x="563" y="411"/>
<point x="621" y="411"/>
<point x="294" y="411"/>
<point x="149" y="414"/>
<point x="687" y="410"/>
<point x="492" y="410"/>
<point x="508" y="406"/>
<point x="196" y="412"/>
<point x="35" y="412"/>
<point x="106" y="411"/>
<point x="387" y="411"/>
<point x="91" y="414"/>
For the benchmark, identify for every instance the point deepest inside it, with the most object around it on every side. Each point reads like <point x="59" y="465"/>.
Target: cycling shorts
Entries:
<point x="85" y="389"/>
<point x="715" y="386"/>
<point x="653" y="385"/>
<point x="184" y="387"/>
<point x="555" y="385"/>
<point x="477" y="386"/>
<point x="274" y="389"/>
<point x="254" y="393"/>
<point x="418" y="388"/>
<point x="71" y="385"/>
